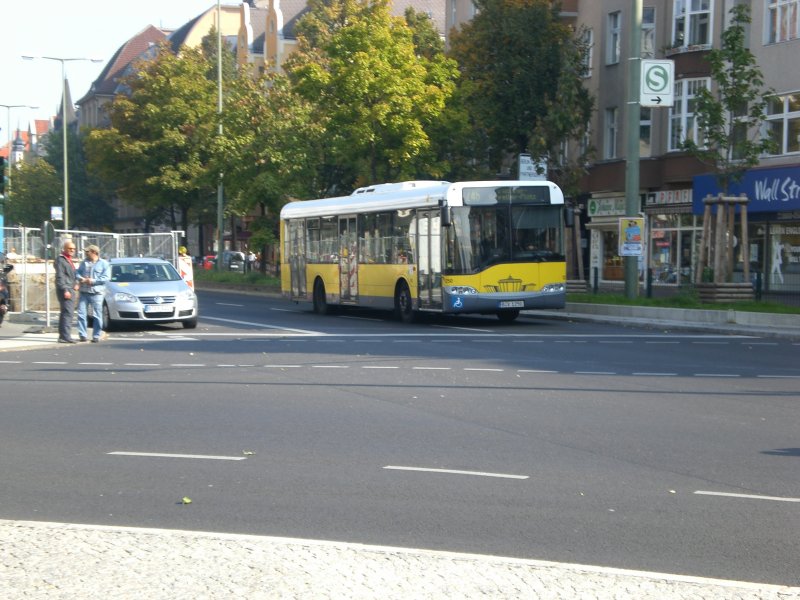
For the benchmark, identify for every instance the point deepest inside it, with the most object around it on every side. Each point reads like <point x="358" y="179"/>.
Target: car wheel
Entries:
<point x="190" y="323"/>
<point x="108" y="324"/>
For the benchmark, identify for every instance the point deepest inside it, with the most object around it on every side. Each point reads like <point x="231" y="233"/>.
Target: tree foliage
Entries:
<point x="518" y="58"/>
<point x="369" y="90"/>
<point x="730" y="119"/>
<point x="37" y="186"/>
<point x="159" y="146"/>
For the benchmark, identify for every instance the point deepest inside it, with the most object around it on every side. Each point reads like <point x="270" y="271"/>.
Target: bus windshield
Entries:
<point x="484" y="235"/>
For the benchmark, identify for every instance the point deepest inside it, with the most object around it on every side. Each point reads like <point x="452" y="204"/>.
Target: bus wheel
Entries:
<point x="507" y="316"/>
<point x="320" y="303"/>
<point x="403" y="307"/>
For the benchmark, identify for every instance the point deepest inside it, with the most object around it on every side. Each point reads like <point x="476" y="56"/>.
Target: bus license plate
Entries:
<point x="158" y="308"/>
<point x="512" y="304"/>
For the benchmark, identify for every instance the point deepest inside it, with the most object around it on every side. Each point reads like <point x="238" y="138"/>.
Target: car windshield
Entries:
<point x="147" y="272"/>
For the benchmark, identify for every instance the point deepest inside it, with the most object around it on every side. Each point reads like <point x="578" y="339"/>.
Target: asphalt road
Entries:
<point x="587" y="443"/>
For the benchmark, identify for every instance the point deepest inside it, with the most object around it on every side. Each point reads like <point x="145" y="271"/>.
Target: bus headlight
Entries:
<point x="460" y="290"/>
<point x="552" y="288"/>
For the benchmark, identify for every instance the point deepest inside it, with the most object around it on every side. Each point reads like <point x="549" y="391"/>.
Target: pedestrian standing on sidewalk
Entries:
<point x="93" y="273"/>
<point x="65" y="291"/>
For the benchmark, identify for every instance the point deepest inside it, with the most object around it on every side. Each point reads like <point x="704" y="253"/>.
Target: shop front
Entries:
<point x="671" y="242"/>
<point x="773" y="214"/>
<point x="674" y="236"/>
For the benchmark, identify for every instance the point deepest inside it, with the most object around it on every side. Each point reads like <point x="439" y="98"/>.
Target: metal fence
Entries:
<point x="33" y="277"/>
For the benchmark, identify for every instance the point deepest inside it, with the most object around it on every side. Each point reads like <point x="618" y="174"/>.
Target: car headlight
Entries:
<point x="186" y="295"/>
<point x="124" y="297"/>
<point x="460" y="290"/>
<point x="551" y="288"/>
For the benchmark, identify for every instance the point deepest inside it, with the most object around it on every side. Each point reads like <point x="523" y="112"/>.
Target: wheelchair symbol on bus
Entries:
<point x="457" y="302"/>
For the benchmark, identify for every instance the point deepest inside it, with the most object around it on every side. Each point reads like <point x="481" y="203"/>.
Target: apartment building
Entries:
<point x="672" y="183"/>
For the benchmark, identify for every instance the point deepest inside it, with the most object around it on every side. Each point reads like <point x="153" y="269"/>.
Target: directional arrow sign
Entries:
<point x="658" y="83"/>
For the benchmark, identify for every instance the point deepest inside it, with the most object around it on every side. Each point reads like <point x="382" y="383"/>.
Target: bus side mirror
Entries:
<point x="446" y="221"/>
<point x="569" y="216"/>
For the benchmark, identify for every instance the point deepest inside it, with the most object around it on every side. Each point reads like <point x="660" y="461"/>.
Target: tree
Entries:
<point x="158" y="148"/>
<point x="731" y="119"/>
<point x="516" y="57"/>
<point x="730" y="123"/>
<point x="374" y="96"/>
<point x="566" y="118"/>
<point x="37" y="186"/>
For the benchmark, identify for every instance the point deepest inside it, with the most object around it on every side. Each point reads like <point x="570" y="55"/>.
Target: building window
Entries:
<point x="783" y="122"/>
<point x="692" y="23"/>
<point x="682" y="124"/>
<point x="613" y="38"/>
<point x="587" y="41"/>
<point x="645" y="131"/>
<point x="648" y="32"/>
<point x="610" y="145"/>
<point x="782" y="22"/>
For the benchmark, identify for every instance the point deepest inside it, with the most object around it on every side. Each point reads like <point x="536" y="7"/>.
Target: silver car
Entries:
<point x="147" y="290"/>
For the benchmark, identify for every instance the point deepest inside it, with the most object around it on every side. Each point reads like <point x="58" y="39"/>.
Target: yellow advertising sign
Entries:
<point x="631" y="236"/>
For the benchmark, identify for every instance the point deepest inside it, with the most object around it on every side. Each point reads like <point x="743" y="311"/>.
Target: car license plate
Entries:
<point x="512" y="304"/>
<point x="158" y="308"/>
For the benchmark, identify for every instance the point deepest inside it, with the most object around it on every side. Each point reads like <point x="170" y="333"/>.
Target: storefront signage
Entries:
<point x="606" y="207"/>
<point x="669" y="197"/>
<point x="769" y="190"/>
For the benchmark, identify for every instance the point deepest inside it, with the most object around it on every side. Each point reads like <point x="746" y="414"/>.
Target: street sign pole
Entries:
<point x="632" y="207"/>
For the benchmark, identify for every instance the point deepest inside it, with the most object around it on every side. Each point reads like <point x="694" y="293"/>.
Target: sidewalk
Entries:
<point x="58" y="560"/>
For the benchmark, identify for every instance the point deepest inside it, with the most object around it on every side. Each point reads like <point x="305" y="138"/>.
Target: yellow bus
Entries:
<point x="488" y="247"/>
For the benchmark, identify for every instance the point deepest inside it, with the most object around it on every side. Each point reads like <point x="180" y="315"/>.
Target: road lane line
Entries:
<point x="479" y="369"/>
<point x="378" y="367"/>
<point x="717" y="375"/>
<point x="163" y="455"/>
<point x="535" y="371"/>
<point x="141" y="364"/>
<point x="330" y="367"/>
<point x="431" y="368"/>
<point x="103" y="364"/>
<point x="235" y="322"/>
<point x="456" y="472"/>
<point x="645" y="374"/>
<point x="746" y="496"/>
<point x="595" y="373"/>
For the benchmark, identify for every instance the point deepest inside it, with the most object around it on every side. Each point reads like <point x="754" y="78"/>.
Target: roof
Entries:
<point x="107" y="82"/>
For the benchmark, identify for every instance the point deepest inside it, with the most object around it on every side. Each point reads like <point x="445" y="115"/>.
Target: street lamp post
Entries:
<point x="63" y="62"/>
<point x="220" y="195"/>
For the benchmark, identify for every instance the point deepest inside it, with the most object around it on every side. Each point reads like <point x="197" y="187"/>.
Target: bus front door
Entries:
<point x="348" y="260"/>
<point x="430" y="259"/>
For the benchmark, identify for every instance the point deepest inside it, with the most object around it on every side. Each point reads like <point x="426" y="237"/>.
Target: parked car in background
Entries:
<point x="233" y="261"/>
<point x="209" y="261"/>
<point x="147" y="290"/>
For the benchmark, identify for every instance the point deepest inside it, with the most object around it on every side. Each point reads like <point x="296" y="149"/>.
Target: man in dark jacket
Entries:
<point x="65" y="290"/>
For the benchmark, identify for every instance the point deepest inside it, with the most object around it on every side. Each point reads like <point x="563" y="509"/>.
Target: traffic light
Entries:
<point x="2" y="176"/>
